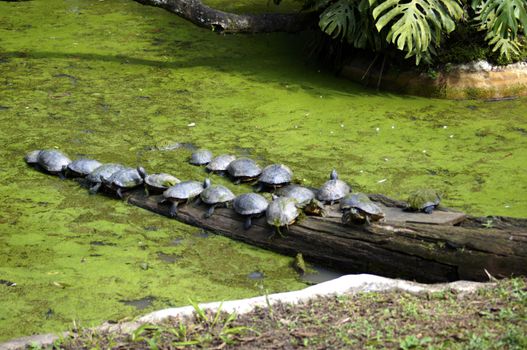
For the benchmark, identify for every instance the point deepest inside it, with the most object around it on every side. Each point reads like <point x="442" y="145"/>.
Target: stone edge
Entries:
<point x="474" y="80"/>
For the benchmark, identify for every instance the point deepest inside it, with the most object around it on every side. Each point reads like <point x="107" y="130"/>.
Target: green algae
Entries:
<point x="113" y="79"/>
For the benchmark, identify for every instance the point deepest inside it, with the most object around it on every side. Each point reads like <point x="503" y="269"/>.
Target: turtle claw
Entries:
<point x="173" y="210"/>
<point x="247" y="223"/>
<point x="429" y="209"/>
<point x="95" y="188"/>
<point x="210" y="211"/>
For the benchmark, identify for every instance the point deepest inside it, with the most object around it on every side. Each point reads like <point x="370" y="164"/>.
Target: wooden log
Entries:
<point x="414" y="249"/>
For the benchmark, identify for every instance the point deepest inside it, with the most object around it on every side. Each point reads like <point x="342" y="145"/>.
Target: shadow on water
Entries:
<point x="339" y="87"/>
<point x="140" y="304"/>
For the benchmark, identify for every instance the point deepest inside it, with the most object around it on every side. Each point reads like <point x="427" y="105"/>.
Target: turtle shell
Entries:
<point x="362" y="202"/>
<point x="301" y="194"/>
<point x="83" y="166"/>
<point x="333" y="189"/>
<point x="220" y="163"/>
<point x="423" y="199"/>
<point x="125" y="178"/>
<point x="216" y="194"/>
<point x="52" y="160"/>
<point x="276" y="174"/>
<point x="282" y="211"/>
<point x="161" y="181"/>
<point x="250" y="204"/>
<point x="184" y="190"/>
<point x="32" y="157"/>
<point x="201" y="157"/>
<point x="244" y="168"/>
<point x="105" y="171"/>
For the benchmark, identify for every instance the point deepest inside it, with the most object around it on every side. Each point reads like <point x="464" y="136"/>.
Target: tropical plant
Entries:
<point x="503" y="21"/>
<point x="417" y="27"/>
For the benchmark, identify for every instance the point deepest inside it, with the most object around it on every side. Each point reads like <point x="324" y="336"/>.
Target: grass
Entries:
<point x="491" y="318"/>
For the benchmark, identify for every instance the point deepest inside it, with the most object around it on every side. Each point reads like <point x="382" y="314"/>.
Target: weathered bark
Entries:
<point x="422" y="252"/>
<point x="223" y="22"/>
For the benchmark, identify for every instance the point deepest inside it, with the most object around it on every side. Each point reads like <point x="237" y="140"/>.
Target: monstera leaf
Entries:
<point x="350" y="20"/>
<point x="336" y="20"/>
<point x="503" y="20"/>
<point x="415" y="26"/>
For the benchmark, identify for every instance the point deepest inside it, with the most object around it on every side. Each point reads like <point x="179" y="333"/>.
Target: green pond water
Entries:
<point x="113" y="79"/>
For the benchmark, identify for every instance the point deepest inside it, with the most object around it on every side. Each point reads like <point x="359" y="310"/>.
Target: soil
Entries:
<point x="492" y="318"/>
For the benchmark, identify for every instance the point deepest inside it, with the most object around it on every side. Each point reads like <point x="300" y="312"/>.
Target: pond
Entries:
<point x="121" y="82"/>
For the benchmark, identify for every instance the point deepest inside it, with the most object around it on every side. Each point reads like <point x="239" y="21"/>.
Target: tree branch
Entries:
<point x="224" y="22"/>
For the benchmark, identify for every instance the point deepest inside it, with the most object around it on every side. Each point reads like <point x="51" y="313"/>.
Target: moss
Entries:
<point x="113" y="79"/>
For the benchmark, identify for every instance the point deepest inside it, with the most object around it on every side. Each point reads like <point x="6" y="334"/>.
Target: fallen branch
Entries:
<point x="224" y="22"/>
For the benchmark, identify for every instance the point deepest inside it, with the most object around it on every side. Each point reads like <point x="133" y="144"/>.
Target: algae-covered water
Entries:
<point x="117" y="81"/>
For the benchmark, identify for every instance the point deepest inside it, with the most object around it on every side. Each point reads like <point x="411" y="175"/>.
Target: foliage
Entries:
<point x="503" y="21"/>
<point x="206" y="330"/>
<point x="417" y="28"/>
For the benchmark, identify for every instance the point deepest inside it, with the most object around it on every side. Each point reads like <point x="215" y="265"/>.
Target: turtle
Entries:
<point x="214" y="196"/>
<point x="104" y="172"/>
<point x="220" y="163"/>
<point x="274" y="176"/>
<point x="181" y="192"/>
<point x="243" y="170"/>
<point x="81" y="167"/>
<point x="305" y="198"/>
<point x="53" y="161"/>
<point x="333" y="189"/>
<point x="282" y="211"/>
<point x="424" y="200"/>
<point x="250" y="205"/>
<point x="357" y="208"/>
<point x="200" y="157"/>
<point x="31" y="158"/>
<point x="124" y="179"/>
<point x="157" y="183"/>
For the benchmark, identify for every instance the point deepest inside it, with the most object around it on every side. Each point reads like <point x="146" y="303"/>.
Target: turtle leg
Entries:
<point x="95" y="188"/>
<point x="258" y="187"/>
<point x="367" y="220"/>
<point x="173" y="209"/>
<point x="197" y="201"/>
<point x="248" y="222"/>
<point x="61" y="175"/>
<point x="147" y="193"/>
<point x="210" y="211"/>
<point x="120" y="193"/>
<point x="429" y="209"/>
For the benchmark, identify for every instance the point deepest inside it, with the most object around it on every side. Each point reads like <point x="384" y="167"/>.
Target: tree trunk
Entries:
<point x="414" y="251"/>
<point x="223" y="22"/>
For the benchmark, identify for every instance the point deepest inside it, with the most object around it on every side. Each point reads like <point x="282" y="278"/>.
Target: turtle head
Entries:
<point x="206" y="183"/>
<point x="333" y="175"/>
<point x="141" y="171"/>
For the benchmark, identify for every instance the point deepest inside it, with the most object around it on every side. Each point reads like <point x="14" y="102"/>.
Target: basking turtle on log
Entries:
<point x="333" y="190"/>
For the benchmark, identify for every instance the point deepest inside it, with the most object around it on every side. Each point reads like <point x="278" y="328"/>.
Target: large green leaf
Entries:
<point x="351" y="20"/>
<point x="503" y="20"/>
<point x="336" y="19"/>
<point x="416" y="25"/>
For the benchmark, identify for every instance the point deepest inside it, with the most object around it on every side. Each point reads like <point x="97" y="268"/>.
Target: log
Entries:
<point x="458" y="248"/>
<point x="225" y="22"/>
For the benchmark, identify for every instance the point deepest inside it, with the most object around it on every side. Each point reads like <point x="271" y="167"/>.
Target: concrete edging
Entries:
<point x="349" y="284"/>
<point x="473" y="80"/>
